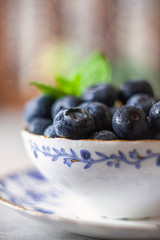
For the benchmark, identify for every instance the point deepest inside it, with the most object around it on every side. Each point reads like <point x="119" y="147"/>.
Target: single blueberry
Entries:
<point x="38" y="107"/>
<point x="103" y="92"/>
<point x="132" y="87"/>
<point x="63" y="103"/>
<point x="142" y="101"/>
<point x="100" y="113"/>
<point x="50" y="132"/>
<point x="154" y="115"/>
<point x="38" y="125"/>
<point x="104" y="135"/>
<point x="130" y="123"/>
<point x="74" y="123"/>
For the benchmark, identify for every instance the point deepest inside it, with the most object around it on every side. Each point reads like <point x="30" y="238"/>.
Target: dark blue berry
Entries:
<point x="154" y="115"/>
<point x="100" y="113"/>
<point x="104" y="93"/>
<point x="38" y="107"/>
<point x="74" y="123"/>
<point x="113" y="110"/>
<point x="157" y="136"/>
<point x="50" y="132"/>
<point x="130" y="123"/>
<point x="63" y="103"/>
<point x="130" y="88"/>
<point x="152" y="132"/>
<point x="142" y="101"/>
<point x="104" y="135"/>
<point x="38" y="125"/>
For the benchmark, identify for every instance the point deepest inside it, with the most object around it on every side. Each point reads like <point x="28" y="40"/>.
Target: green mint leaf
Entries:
<point x="64" y="84"/>
<point x="69" y="86"/>
<point x="96" y="69"/>
<point x="76" y="82"/>
<point x="49" y="90"/>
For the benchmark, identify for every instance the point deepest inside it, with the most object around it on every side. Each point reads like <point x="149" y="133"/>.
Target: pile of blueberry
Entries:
<point x="103" y="112"/>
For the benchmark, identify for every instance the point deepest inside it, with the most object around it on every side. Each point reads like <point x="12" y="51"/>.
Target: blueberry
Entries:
<point x="104" y="93"/>
<point x="64" y="102"/>
<point x="100" y="113"/>
<point x="74" y="123"/>
<point x="142" y="101"/>
<point x="130" y="122"/>
<point x="130" y="88"/>
<point x="38" y="107"/>
<point x="50" y="132"/>
<point x="154" y="115"/>
<point x="38" y="125"/>
<point x="157" y="136"/>
<point x="104" y="135"/>
<point x="152" y="134"/>
<point x="113" y="109"/>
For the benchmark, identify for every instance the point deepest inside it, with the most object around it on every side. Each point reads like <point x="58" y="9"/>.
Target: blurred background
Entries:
<point x="38" y="38"/>
<point x="34" y="36"/>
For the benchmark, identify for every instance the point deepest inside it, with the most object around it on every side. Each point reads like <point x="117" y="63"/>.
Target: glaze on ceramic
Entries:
<point x="117" y="179"/>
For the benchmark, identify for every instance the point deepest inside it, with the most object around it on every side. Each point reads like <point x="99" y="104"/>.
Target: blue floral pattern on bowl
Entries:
<point x="133" y="158"/>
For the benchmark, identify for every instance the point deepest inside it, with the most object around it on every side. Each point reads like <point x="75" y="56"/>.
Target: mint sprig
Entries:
<point x="95" y="69"/>
<point x="49" y="90"/>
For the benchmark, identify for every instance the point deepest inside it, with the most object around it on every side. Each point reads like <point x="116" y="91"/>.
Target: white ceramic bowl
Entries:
<point x="117" y="179"/>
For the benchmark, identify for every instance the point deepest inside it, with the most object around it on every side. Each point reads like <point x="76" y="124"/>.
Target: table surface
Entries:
<point x="13" y="225"/>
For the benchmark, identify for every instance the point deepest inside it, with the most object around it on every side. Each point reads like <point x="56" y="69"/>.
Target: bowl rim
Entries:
<point x="24" y="130"/>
